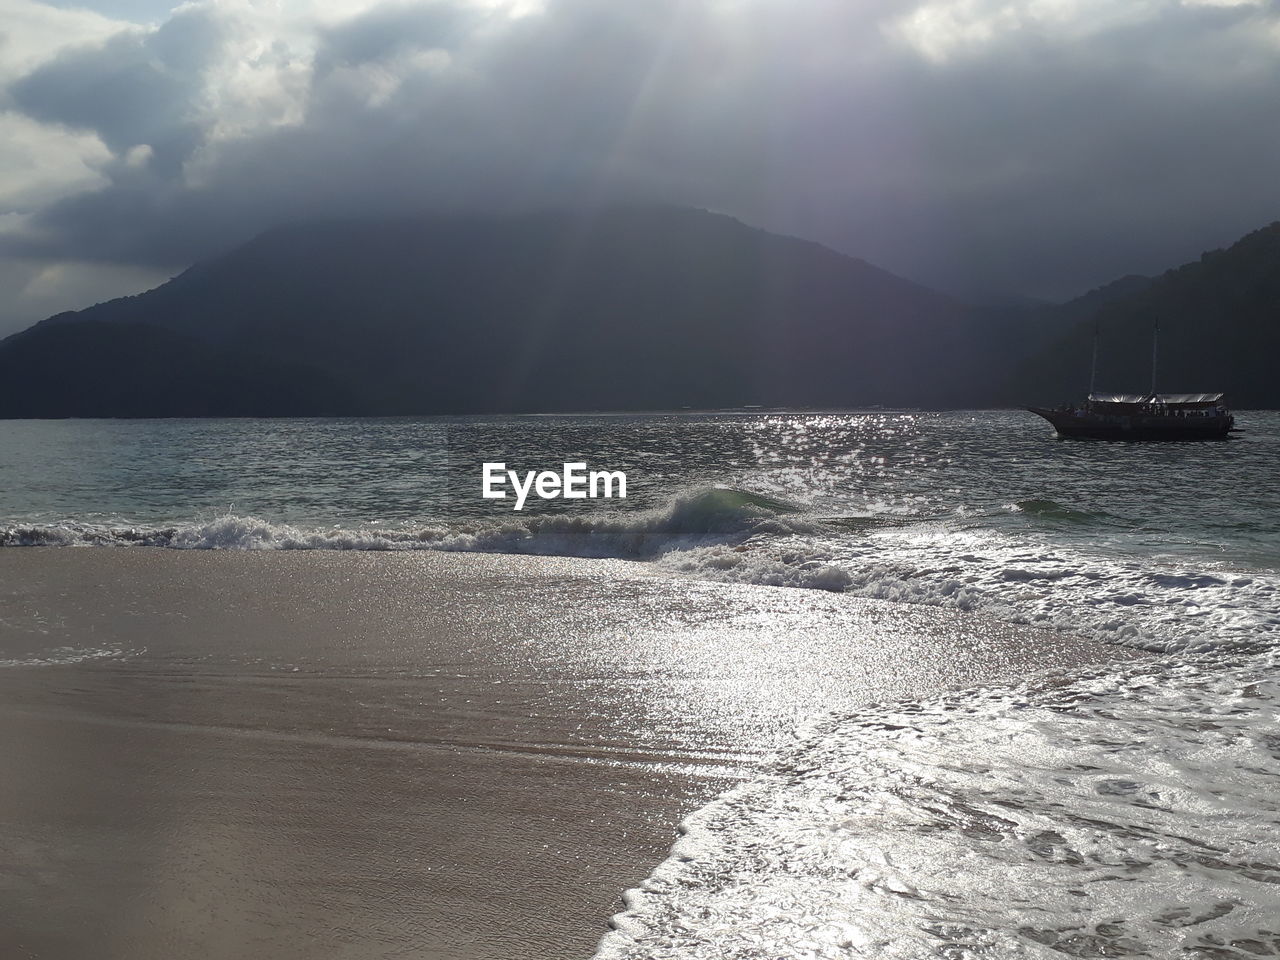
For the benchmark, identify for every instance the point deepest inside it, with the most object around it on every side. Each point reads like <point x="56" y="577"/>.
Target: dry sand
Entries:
<point x="359" y="755"/>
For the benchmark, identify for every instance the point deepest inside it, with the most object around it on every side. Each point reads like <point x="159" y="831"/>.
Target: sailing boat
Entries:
<point x="1141" y="416"/>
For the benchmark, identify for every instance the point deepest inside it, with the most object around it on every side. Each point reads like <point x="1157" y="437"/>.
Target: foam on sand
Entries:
<point x="1128" y="813"/>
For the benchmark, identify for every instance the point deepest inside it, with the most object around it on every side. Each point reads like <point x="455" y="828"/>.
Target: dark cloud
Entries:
<point x="137" y="88"/>
<point x="977" y="146"/>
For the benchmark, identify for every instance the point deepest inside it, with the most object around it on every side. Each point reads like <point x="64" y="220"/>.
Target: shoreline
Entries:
<point x="354" y="754"/>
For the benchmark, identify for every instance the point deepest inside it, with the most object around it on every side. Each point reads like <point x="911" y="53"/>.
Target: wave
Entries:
<point x="1052" y="511"/>
<point x="1069" y="817"/>
<point x="712" y="515"/>
<point x="731" y="535"/>
<point x="1132" y="601"/>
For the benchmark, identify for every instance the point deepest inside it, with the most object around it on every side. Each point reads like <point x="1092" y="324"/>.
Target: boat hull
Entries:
<point x="1135" y="427"/>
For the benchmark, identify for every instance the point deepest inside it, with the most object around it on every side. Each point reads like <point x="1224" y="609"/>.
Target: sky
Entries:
<point x="992" y="148"/>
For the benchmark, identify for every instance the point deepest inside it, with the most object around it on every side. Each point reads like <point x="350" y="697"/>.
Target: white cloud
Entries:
<point x="942" y="29"/>
<point x="32" y="32"/>
<point x="41" y="163"/>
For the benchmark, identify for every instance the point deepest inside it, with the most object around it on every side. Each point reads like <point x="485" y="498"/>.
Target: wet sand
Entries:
<point x="362" y="755"/>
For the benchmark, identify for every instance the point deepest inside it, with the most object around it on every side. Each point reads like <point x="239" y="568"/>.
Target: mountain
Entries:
<point x="1219" y="321"/>
<point x="78" y="368"/>
<point x="626" y="309"/>
<point x="1088" y="304"/>
<point x="630" y="308"/>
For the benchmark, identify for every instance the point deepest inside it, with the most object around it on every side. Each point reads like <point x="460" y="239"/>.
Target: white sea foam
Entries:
<point x="1158" y="604"/>
<point x="1030" y="577"/>
<point x="1121" y="814"/>
<point x="59" y="656"/>
<point x="701" y="516"/>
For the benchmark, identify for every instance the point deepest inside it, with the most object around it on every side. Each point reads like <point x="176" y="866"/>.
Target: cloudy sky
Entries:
<point x="1032" y="147"/>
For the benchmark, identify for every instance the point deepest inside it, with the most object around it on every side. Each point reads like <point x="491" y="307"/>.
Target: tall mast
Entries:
<point x="1155" y="344"/>
<point x="1093" y="371"/>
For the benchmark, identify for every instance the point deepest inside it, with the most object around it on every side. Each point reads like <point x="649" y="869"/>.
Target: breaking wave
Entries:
<point x="1159" y="605"/>
<point x="730" y="535"/>
<point x="712" y="515"/>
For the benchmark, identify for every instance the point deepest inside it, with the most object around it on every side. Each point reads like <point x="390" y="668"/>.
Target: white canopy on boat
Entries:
<point x="1170" y="398"/>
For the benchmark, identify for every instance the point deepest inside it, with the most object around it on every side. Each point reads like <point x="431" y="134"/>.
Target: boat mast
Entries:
<point x="1093" y="371"/>
<point x="1155" y="343"/>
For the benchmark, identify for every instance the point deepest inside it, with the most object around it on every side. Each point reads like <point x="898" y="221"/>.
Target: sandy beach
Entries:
<point x="367" y="755"/>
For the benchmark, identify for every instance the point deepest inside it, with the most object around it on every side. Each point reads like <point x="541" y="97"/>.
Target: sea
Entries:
<point x="1122" y="811"/>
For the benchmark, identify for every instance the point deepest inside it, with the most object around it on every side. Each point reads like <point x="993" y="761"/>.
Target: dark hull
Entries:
<point x="1135" y="427"/>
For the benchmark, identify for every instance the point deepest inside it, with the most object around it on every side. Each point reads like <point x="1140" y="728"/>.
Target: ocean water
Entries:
<point x="1124" y="812"/>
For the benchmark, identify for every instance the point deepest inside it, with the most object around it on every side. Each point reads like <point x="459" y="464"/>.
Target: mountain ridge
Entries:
<point x="1219" y="323"/>
<point x="632" y="308"/>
